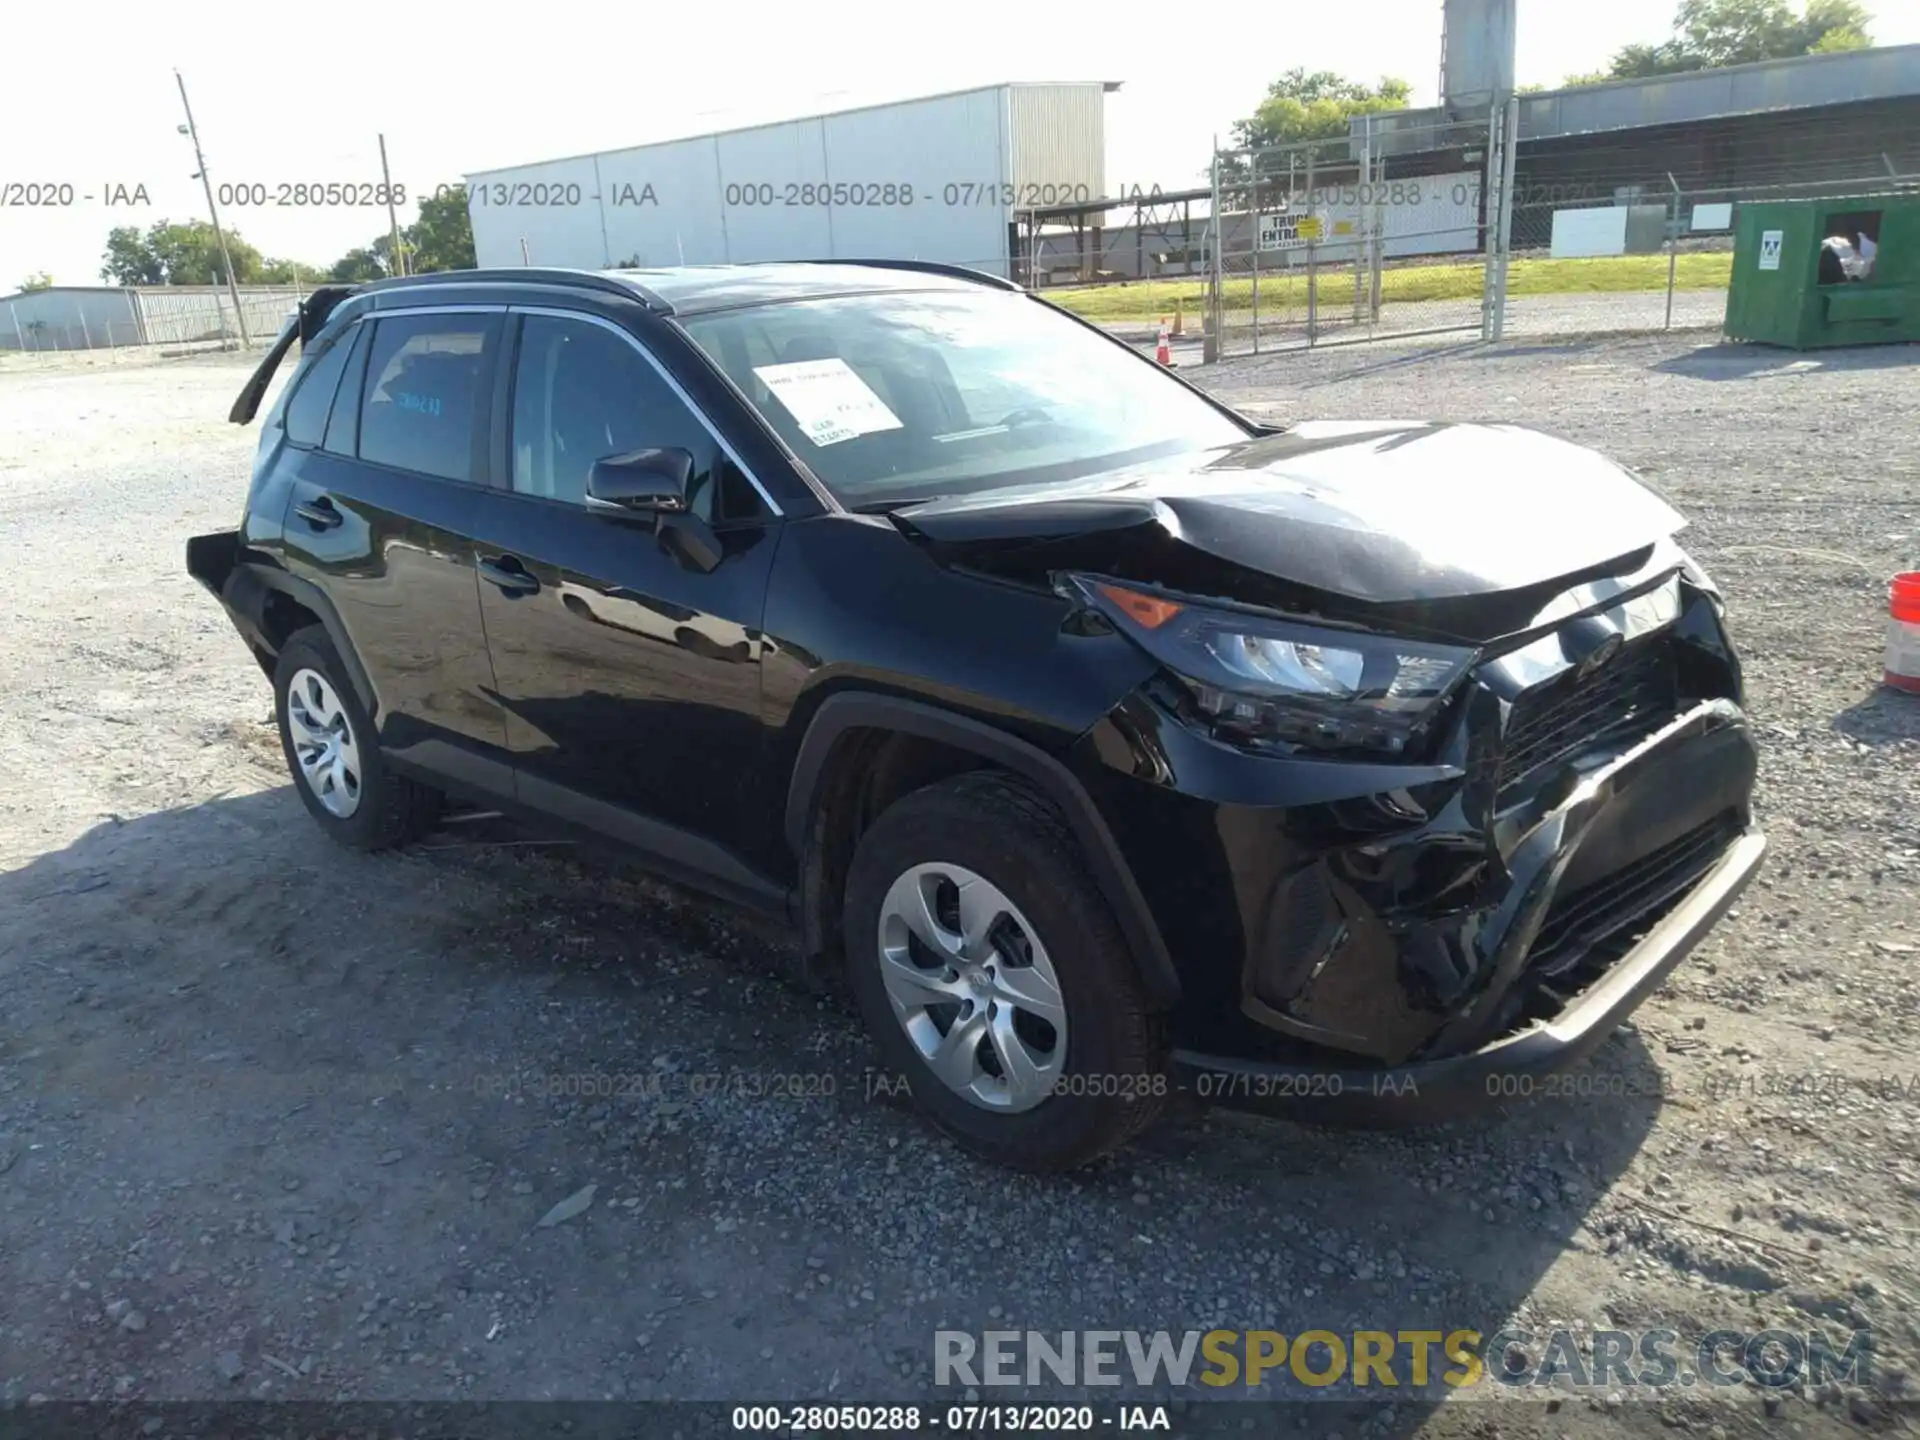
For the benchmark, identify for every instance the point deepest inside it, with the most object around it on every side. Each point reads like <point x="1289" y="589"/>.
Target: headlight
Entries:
<point x="1255" y="680"/>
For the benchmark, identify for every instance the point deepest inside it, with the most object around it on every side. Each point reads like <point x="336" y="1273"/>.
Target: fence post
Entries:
<point x="1253" y="174"/>
<point x="1506" y="205"/>
<point x="1362" y="246"/>
<point x="1500" y="243"/>
<point x="1374" y="223"/>
<point x="1673" y="244"/>
<point x="1313" y="270"/>
<point x="1490" y="220"/>
<point x="1216" y="314"/>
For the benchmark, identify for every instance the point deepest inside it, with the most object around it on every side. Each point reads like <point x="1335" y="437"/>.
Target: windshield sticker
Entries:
<point x="828" y="401"/>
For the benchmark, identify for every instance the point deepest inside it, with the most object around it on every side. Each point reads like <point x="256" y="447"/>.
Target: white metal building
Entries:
<point x="939" y="178"/>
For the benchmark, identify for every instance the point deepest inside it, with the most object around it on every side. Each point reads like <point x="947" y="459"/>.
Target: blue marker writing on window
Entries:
<point x="424" y="404"/>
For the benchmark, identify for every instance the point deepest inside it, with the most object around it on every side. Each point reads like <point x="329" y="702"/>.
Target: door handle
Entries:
<point x="318" y="513"/>
<point x="507" y="573"/>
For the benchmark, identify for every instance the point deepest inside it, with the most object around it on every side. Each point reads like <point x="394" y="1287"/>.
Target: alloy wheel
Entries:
<point x="323" y="743"/>
<point x="973" y="987"/>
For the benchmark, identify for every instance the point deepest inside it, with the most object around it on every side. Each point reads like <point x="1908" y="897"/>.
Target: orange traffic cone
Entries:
<point x="1163" y="352"/>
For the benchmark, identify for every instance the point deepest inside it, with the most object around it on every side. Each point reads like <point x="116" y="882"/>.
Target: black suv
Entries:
<point x="1109" y="743"/>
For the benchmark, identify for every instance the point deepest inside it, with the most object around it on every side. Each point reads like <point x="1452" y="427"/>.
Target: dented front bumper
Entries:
<point x="1493" y="1048"/>
<point x="1355" y="934"/>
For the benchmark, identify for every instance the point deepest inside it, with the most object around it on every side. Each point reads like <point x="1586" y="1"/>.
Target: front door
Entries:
<point x="630" y="674"/>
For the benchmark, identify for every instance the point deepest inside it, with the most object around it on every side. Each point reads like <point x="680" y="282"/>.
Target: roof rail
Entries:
<point x="927" y="267"/>
<point x="539" y="275"/>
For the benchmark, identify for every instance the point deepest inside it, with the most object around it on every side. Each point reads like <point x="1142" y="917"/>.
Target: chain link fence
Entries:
<point x="1381" y="234"/>
<point x="1635" y="232"/>
<point x="1437" y="227"/>
<point x="170" y="316"/>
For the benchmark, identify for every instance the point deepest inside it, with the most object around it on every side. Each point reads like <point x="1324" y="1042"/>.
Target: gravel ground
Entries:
<point x="275" y="1119"/>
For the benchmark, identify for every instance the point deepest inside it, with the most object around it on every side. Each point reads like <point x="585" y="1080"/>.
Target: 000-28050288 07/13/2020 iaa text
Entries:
<point x="785" y="194"/>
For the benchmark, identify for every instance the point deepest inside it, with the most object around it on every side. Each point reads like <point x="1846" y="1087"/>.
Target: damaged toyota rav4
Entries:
<point x="1109" y="744"/>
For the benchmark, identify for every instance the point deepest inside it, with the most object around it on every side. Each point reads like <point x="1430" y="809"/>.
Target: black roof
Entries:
<point x="695" y="289"/>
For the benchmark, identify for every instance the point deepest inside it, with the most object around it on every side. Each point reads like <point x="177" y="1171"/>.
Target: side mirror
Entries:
<point x="649" y="480"/>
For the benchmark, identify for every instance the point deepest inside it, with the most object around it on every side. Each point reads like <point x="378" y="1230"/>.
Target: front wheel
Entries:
<point x="994" y="977"/>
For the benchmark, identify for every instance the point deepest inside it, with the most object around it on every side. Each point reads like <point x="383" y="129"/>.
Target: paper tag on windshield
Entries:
<point x="829" y="402"/>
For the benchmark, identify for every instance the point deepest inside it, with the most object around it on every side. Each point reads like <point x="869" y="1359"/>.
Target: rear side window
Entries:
<point x="313" y="396"/>
<point x="426" y="375"/>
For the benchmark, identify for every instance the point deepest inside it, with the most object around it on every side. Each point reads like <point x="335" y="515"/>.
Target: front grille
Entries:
<point x="1581" y="926"/>
<point x="1625" y="700"/>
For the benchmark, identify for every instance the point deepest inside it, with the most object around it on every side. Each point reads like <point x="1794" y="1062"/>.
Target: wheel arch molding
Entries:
<point x="841" y="714"/>
<point x="248" y="593"/>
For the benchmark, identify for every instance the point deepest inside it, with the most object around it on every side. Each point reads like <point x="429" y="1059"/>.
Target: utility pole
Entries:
<point x="393" y="223"/>
<point x="233" y="290"/>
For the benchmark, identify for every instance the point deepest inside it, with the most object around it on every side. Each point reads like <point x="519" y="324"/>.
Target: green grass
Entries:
<point x="1150" y="299"/>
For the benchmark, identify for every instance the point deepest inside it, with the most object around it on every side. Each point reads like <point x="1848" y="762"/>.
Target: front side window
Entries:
<point x="582" y="393"/>
<point x="899" y="397"/>
<point x="426" y="375"/>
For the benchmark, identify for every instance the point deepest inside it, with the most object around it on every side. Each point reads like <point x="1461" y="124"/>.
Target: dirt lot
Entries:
<point x="275" y="1120"/>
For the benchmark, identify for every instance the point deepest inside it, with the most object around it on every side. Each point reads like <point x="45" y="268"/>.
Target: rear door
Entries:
<point x="381" y="518"/>
<point x="631" y="675"/>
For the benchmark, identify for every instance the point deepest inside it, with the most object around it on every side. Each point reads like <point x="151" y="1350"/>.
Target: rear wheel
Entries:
<point x="334" y="755"/>
<point x="994" y="977"/>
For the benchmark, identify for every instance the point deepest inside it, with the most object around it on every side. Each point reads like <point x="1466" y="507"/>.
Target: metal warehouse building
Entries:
<point x="939" y="178"/>
<point x="1807" y="125"/>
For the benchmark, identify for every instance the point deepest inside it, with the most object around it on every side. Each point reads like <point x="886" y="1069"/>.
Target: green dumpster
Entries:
<point x="1781" y="294"/>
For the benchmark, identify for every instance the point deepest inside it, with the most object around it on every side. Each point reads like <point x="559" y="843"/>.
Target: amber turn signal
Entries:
<point x="1149" y="611"/>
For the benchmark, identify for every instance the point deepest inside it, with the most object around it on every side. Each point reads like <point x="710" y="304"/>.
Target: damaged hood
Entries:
<point x="1379" y="512"/>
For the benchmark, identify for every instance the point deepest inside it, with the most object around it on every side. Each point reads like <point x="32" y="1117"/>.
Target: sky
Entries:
<point x="293" y="94"/>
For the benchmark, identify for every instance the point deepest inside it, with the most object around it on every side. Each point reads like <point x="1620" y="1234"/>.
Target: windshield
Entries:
<point x="902" y="397"/>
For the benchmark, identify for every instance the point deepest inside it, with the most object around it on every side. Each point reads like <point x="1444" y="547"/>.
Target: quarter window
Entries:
<point x="343" y="430"/>
<point x="313" y="395"/>
<point x="426" y="376"/>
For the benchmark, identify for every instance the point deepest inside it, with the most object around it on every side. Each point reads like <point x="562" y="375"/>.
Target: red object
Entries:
<point x="1903" y="634"/>
<point x="1163" y="353"/>
<point x="1906" y="598"/>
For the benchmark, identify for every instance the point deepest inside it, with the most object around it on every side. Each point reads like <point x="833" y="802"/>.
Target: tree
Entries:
<point x="1709" y="34"/>
<point x="441" y="238"/>
<point x="286" y="272"/>
<point x="1307" y="105"/>
<point x="357" y="266"/>
<point x="38" y="281"/>
<point x="1741" y="32"/>
<point x="171" y="253"/>
<point x="1301" y="107"/>
<point x="130" y="260"/>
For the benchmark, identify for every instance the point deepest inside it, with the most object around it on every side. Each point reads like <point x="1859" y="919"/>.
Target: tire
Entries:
<point x="1104" y="1079"/>
<point x="365" y="806"/>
